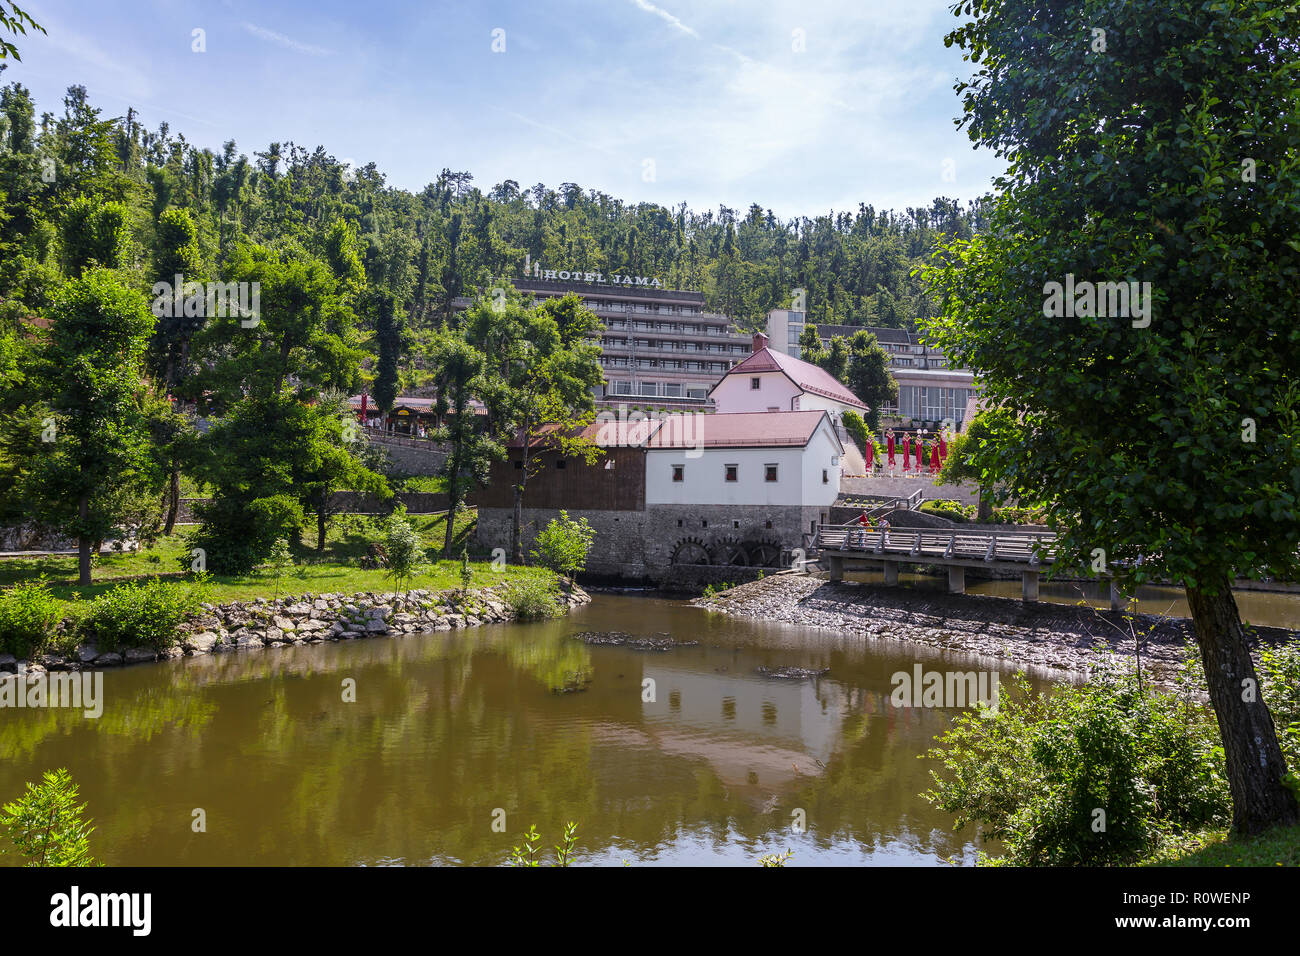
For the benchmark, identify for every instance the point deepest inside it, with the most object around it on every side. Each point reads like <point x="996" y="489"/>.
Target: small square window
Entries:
<point x="679" y="522"/>
<point x="769" y="526"/>
<point x="679" y="472"/>
<point x="755" y="383"/>
<point x="704" y="523"/>
<point x="732" y="471"/>
<point x="769" y="472"/>
<point x="735" y="524"/>
<point x="559" y="463"/>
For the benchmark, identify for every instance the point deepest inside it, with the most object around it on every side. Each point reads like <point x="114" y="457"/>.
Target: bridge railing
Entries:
<point x="924" y="544"/>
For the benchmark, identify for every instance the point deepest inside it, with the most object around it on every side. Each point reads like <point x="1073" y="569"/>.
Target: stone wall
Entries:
<point x="641" y="544"/>
<point x="308" y="619"/>
<point x="411" y="460"/>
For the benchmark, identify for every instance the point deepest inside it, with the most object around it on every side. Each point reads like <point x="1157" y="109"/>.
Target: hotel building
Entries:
<point x="929" y="390"/>
<point x="660" y="347"/>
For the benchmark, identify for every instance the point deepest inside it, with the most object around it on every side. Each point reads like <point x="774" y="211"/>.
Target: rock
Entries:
<point x="246" y="638"/>
<point x="8" y="663"/>
<point x="284" y="623"/>
<point x="138" y="655"/>
<point x="109" y="659"/>
<point x="274" y="634"/>
<point x="201" y="643"/>
<point x="377" y="626"/>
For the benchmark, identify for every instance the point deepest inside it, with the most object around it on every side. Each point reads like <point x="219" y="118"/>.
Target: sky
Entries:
<point x="803" y="107"/>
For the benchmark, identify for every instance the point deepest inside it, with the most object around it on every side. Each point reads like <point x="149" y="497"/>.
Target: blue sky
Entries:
<point x="706" y="101"/>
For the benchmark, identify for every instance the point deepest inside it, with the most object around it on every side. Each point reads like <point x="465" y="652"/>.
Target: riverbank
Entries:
<point x="304" y="619"/>
<point x="1064" y="638"/>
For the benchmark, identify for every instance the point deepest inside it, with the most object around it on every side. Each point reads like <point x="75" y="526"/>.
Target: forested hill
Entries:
<point x="428" y="247"/>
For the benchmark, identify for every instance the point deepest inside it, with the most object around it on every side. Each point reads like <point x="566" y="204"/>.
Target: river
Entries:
<point x="452" y="731"/>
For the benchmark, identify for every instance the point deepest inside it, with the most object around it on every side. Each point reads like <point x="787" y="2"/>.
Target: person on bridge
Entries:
<point x="883" y="527"/>
<point x="863" y="524"/>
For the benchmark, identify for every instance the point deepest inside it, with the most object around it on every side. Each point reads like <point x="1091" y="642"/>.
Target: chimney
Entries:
<point x="760" y="341"/>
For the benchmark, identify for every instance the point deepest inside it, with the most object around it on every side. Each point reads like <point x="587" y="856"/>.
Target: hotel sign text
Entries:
<point x="591" y="278"/>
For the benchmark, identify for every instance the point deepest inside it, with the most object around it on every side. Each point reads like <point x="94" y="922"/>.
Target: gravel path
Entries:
<point x="1061" y="637"/>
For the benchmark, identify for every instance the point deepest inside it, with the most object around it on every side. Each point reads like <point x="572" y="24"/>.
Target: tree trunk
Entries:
<point x="516" y="527"/>
<point x="174" y="499"/>
<point x="452" y="504"/>
<point x="321" y="520"/>
<point x="1255" y="765"/>
<point x="83" y="543"/>
<point x="985" y="508"/>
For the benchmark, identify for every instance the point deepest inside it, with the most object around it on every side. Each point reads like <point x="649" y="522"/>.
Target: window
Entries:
<point x="731" y="472"/>
<point x="519" y="465"/>
<point x="679" y="472"/>
<point x="769" y="472"/>
<point x="559" y="463"/>
<point x="754" y="383"/>
<point x="704" y="523"/>
<point x="735" y="525"/>
<point x="768" y="526"/>
<point x="826" y="478"/>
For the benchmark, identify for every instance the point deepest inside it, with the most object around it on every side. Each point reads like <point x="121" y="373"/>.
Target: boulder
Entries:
<point x="201" y="643"/>
<point x="109" y="659"/>
<point x="138" y="655"/>
<point x="86" y="653"/>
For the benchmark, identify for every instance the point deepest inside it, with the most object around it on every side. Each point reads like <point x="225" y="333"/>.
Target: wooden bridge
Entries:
<point x="1030" y="553"/>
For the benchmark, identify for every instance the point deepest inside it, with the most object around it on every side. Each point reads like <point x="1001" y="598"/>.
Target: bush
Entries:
<point x="141" y="613"/>
<point x="403" y="548"/>
<point x="28" y="615"/>
<point x="563" y="545"/>
<point x="952" y="510"/>
<point x="45" y="823"/>
<point x="1101" y="774"/>
<point x="1279" y="672"/>
<point x="531" y="599"/>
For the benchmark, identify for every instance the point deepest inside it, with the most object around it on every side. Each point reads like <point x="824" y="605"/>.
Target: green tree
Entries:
<point x="471" y="445"/>
<point x="97" y="448"/>
<point x="868" y="376"/>
<point x="405" y="551"/>
<point x="563" y="545"/>
<point x="1166" y="435"/>
<point x="46" y="825"/>
<point x="16" y="21"/>
<point x="280" y="559"/>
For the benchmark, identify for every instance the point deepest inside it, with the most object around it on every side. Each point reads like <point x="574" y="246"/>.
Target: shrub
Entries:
<point x="1104" y="773"/>
<point x="952" y="510"/>
<point x="563" y="545"/>
<point x="141" y="613"/>
<point x="1279" y="671"/>
<point x="403" y="547"/>
<point x="45" y="823"/>
<point x="531" y="600"/>
<point x="28" y="615"/>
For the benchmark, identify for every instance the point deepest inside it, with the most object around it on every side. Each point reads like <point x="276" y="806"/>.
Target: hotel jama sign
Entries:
<point x="591" y="278"/>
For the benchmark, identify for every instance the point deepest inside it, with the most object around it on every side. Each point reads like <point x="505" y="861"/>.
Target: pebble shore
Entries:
<point x="1071" y="640"/>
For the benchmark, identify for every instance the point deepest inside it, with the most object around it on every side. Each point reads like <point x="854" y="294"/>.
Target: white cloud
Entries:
<point x="289" y="43"/>
<point x="667" y="17"/>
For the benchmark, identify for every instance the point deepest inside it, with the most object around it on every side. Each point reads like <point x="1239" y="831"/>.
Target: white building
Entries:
<point x="771" y="381"/>
<point x="750" y="459"/>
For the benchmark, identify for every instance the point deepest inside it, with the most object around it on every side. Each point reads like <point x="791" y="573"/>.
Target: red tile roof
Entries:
<point x="805" y="375"/>
<point x="737" y="430"/>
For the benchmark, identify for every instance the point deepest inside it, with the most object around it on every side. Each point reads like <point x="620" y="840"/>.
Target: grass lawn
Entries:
<point x="336" y="569"/>
<point x="1278" y="847"/>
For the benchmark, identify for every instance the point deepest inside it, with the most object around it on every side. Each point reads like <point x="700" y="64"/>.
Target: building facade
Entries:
<point x="930" y="391"/>
<point x="660" y="347"/>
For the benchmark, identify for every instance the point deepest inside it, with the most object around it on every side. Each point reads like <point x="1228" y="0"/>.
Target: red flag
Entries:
<point x="907" y="451"/>
<point x="934" y="456"/>
<point x="889" y="444"/>
<point x="920" y="464"/>
<point x="870" y="452"/>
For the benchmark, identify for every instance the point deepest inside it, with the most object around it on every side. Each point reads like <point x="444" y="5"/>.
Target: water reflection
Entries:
<point x="447" y="728"/>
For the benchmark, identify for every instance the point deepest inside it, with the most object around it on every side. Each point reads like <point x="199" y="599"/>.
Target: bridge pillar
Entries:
<point x="1118" y="599"/>
<point x="1029" y="586"/>
<point x="891" y="572"/>
<point x="956" y="579"/>
<point x="837" y="569"/>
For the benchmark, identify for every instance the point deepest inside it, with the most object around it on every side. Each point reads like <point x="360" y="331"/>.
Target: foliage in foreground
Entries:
<point x="530" y="853"/>
<point x="141" y="613"/>
<point x="1104" y="773"/>
<point x="45" y="824"/>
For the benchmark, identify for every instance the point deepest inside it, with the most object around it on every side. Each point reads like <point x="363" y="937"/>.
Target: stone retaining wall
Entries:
<point x="309" y="619"/>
